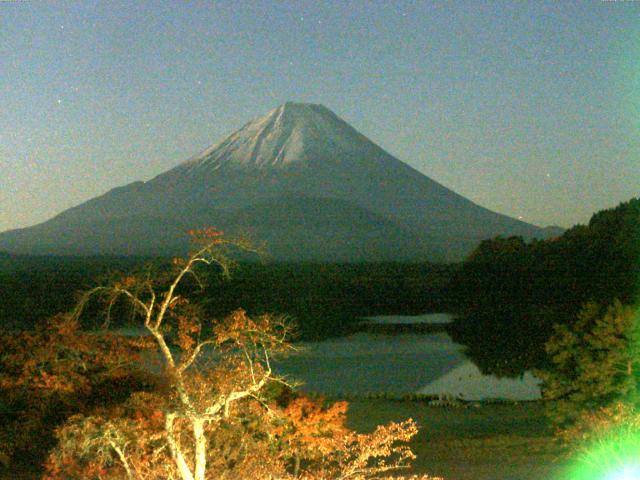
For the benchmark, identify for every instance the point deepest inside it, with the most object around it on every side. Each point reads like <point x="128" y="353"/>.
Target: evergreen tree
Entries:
<point x="594" y="362"/>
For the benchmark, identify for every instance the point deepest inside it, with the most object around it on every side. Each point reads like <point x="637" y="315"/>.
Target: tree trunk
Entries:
<point x="176" y="453"/>
<point x="201" y="448"/>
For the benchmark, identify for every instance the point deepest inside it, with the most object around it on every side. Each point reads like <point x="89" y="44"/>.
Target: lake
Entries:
<point x="398" y="364"/>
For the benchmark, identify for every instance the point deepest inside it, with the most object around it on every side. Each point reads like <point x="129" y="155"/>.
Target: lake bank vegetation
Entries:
<point x="568" y="309"/>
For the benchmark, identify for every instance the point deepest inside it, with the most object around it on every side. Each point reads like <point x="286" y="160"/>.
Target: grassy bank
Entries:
<point x="487" y="442"/>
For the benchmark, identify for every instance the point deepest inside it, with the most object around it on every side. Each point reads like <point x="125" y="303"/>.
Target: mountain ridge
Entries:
<point x="296" y="151"/>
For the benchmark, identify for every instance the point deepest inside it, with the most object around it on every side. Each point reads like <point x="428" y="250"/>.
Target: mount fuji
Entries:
<point x="299" y="179"/>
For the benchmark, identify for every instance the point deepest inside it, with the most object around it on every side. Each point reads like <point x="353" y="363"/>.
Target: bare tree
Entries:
<point x="202" y="398"/>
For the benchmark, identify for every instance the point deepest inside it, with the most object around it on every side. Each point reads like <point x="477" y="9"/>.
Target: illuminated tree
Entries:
<point x="213" y="412"/>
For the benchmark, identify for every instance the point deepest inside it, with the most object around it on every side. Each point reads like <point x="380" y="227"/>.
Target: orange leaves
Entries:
<point x="317" y="437"/>
<point x="187" y="329"/>
<point x="207" y="235"/>
<point x="205" y="415"/>
<point x="126" y="282"/>
<point x="63" y="325"/>
<point x="178" y="262"/>
<point x="54" y="372"/>
<point x="129" y="281"/>
<point x="314" y="426"/>
<point x="113" y="443"/>
<point x="254" y="334"/>
<point x="49" y="383"/>
<point x="60" y="358"/>
<point x="234" y="328"/>
<point x="373" y="455"/>
<point x="178" y="301"/>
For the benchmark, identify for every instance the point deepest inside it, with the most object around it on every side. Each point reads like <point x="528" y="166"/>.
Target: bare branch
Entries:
<point x="250" y="363"/>
<point x="266" y="358"/>
<point x="196" y="351"/>
<point x="123" y="459"/>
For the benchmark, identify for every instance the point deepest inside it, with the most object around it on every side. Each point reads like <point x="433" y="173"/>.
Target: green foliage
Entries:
<point x="595" y="361"/>
<point x="326" y="299"/>
<point x="35" y="288"/>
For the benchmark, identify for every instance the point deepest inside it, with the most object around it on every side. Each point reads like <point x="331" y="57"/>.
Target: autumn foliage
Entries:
<point x="56" y="371"/>
<point x="190" y="399"/>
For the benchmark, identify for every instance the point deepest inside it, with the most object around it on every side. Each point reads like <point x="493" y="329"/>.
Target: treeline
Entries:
<point x="327" y="299"/>
<point x="34" y="288"/>
<point x="324" y="299"/>
<point x="510" y="292"/>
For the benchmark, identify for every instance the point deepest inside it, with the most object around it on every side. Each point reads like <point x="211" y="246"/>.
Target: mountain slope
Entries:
<point x="300" y="161"/>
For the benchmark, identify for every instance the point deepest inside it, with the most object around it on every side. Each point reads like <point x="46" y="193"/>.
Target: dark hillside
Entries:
<point x="511" y="292"/>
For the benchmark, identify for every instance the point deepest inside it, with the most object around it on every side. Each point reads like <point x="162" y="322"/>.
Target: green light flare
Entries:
<point x="614" y="455"/>
<point x="616" y="458"/>
<point x="627" y="473"/>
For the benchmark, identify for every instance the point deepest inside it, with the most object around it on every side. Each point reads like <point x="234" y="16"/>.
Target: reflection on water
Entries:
<point x="398" y="364"/>
<point x="395" y="364"/>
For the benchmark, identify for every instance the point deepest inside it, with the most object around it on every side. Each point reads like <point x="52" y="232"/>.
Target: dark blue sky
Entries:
<point x="528" y="108"/>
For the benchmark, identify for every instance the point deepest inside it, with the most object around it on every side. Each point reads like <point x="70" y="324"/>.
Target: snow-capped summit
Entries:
<point x="292" y="133"/>
<point x="299" y="178"/>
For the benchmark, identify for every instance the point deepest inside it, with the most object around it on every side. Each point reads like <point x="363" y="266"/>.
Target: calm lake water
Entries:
<point x="398" y="364"/>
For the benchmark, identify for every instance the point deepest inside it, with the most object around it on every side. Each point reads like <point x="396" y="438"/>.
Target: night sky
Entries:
<point x="531" y="109"/>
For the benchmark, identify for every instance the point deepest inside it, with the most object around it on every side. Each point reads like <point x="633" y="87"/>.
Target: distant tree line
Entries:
<point x="34" y="288"/>
<point x="328" y="299"/>
<point x="510" y="293"/>
<point x="324" y="299"/>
